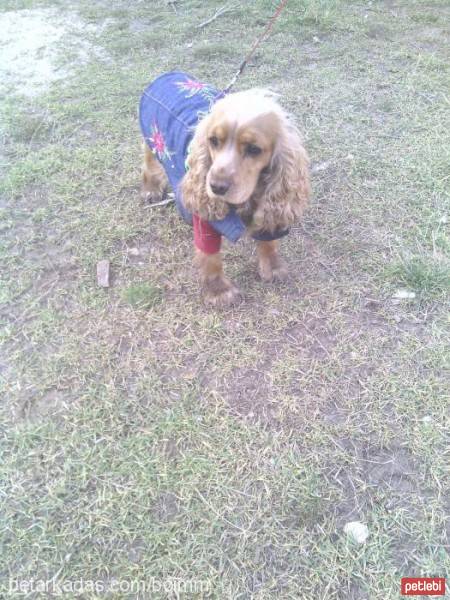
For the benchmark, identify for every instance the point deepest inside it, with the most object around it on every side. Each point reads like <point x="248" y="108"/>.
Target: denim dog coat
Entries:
<point x="169" y="111"/>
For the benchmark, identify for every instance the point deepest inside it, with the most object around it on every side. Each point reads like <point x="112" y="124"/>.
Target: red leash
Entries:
<point x="263" y="36"/>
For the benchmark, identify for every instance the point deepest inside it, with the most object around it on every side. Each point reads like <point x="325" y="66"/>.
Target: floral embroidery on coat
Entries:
<point x="193" y="87"/>
<point x="158" y="143"/>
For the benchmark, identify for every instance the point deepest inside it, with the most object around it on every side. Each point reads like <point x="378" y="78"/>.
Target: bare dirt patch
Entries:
<point x="33" y="42"/>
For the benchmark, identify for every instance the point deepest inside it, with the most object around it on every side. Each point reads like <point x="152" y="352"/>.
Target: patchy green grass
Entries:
<point x="146" y="438"/>
<point x="142" y="295"/>
<point x="426" y="277"/>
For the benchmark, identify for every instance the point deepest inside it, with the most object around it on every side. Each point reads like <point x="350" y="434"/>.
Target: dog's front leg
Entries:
<point x="271" y="266"/>
<point x="218" y="290"/>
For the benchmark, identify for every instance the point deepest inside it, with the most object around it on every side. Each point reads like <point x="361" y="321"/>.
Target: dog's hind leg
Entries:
<point x="154" y="179"/>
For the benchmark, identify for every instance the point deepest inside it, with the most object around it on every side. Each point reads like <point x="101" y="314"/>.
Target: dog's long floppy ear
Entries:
<point x="286" y="185"/>
<point x="193" y="186"/>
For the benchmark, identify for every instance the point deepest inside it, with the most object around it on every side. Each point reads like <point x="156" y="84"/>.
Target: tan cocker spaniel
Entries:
<point x="238" y="165"/>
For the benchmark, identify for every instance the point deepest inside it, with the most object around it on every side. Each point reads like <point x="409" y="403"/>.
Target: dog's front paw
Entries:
<point x="221" y="292"/>
<point x="272" y="268"/>
<point x="152" y="196"/>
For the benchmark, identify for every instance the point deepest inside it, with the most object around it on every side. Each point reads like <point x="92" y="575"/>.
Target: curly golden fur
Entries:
<point x="272" y="194"/>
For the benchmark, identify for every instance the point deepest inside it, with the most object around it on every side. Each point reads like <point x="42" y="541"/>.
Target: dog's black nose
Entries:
<point x="220" y="189"/>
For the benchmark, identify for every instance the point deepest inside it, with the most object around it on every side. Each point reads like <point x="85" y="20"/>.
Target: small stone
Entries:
<point x="427" y="419"/>
<point x="133" y="251"/>
<point x="404" y="295"/>
<point x="322" y="166"/>
<point x="357" y="531"/>
<point x="103" y="273"/>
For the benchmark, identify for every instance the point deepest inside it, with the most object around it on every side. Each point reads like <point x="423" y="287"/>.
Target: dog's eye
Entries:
<point x="252" y="150"/>
<point x="214" y="141"/>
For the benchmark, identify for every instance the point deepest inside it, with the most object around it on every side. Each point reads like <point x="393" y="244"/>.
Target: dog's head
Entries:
<point x="241" y="135"/>
<point x="239" y="151"/>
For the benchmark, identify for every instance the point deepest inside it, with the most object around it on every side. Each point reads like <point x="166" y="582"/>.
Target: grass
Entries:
<point x="145" y="438"/>
<point x="426" y="277"/>
<point x="142" y="295"/>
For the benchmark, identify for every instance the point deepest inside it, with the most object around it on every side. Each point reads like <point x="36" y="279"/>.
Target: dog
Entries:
<point x="237" y="166"/>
